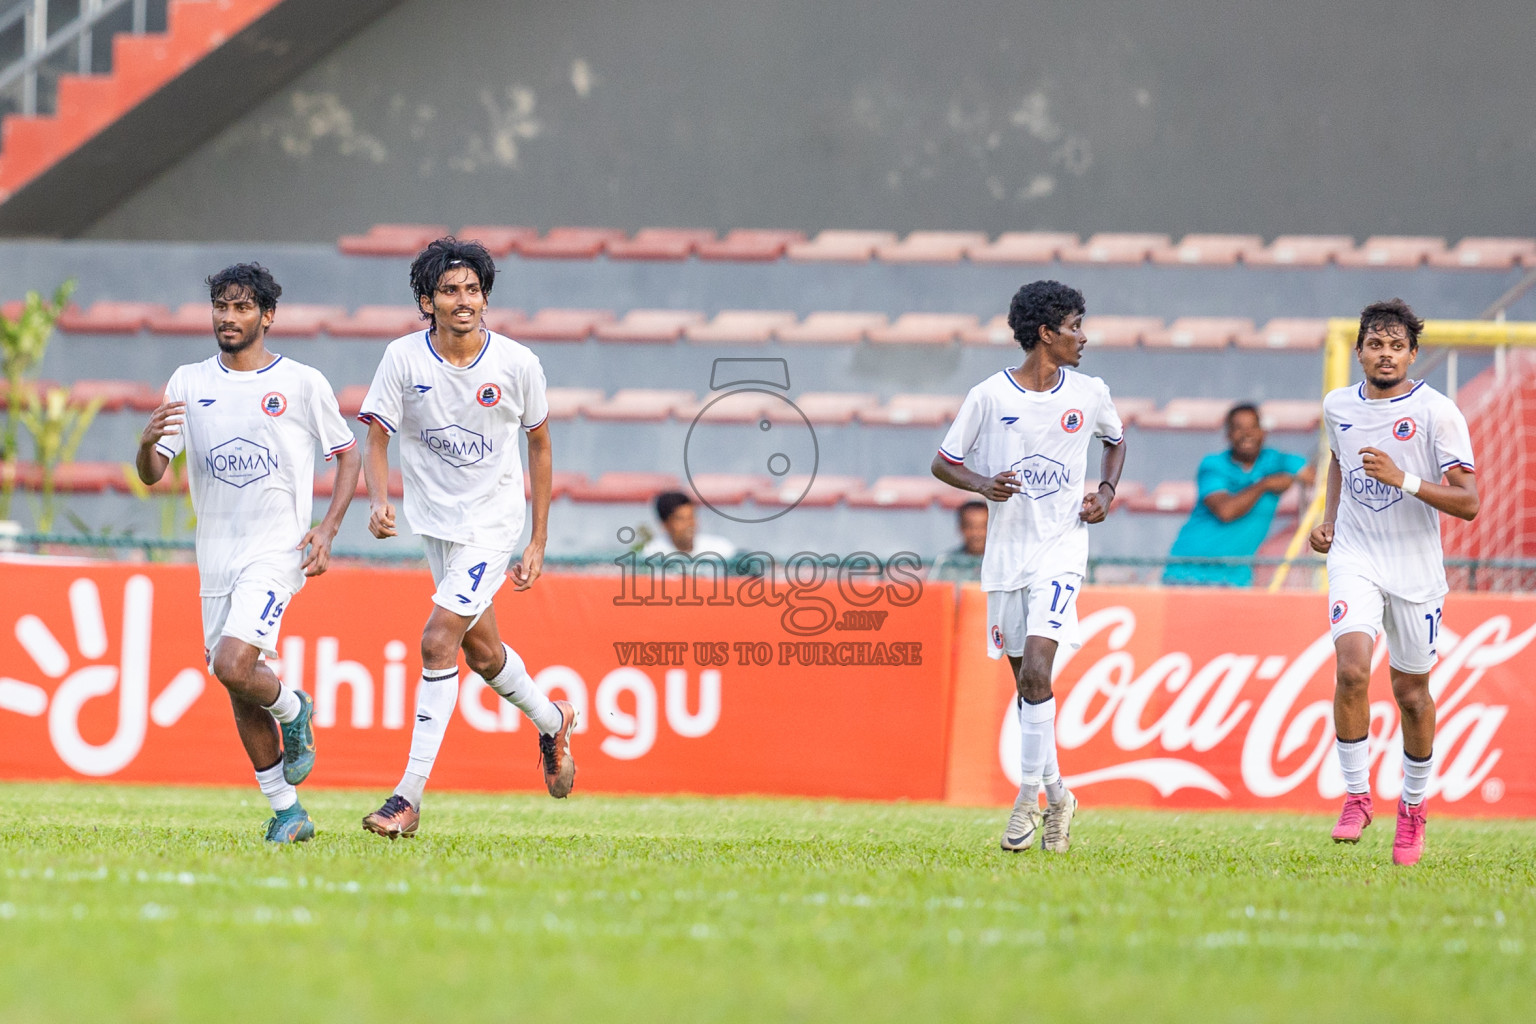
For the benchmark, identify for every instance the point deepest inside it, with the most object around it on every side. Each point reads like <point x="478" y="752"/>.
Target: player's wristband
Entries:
<point x="1106" y="483"/>
<point x="1411" y="483"/>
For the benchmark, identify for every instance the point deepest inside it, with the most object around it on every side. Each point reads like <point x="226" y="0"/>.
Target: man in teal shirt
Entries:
<point x="1239" y="491"/>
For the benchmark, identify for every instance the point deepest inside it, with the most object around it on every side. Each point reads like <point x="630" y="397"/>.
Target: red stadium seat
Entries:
<point x="1392" y="251"/>
<point x="832" y="328"/>
<point x="624" y="487"/>
<point x="499" y="240"/>
<point x="841" y="246"/>
<point x="1023" y="247"/>
<point x="12" y="309"/>
<point x="1487" y="253"/>
<point x="88" y="477"/>
<point x="561" y="483"/>
<point x="189" y="318"/>
<point x="1295" y="414"/>
<point x="931" y="247"/>
<point x="750" y="244"/>
<point x="300" y="320"/>
<point x="1119" y="331"/>
<point x="325" y="486"/>
<point x="1301" y="251"/>
<point x="350" y="399"/>
<point x="913" y="411"/>
<point x="727" y="488"/>
<point x="1288" y="333"/>
<point x="994" y="332"/>
<point x="563" y="324"/>
<point x="725" y="407"/>
<point x="377" y="322"/>
<point x="1187" y="414"/>
<point x="1210" y="250"/>
<point x="656" y="326"/>
<point x="117" y="395"/>
<point x="506" y="322"/>
<point x="1131" y="410"/>
<point x="1204" y="332"/>
<point x="660" y="244"/>
<point x="1170" y="496"/>
<point x="898" y="492"/>
<point x="825" y="490"/>
<point x="639" y="405"/>
<point x="39" y="387"/>
<point x="569" y="243"/>
<point x="740" y="326"/>
<point x="115" y="318"/>
<point x="391" y="240"/>
<point x="923" y="329"/>
<point x="1110" y="247"/>
<point x="1127" y="495"/>
<point x="568" y="403"/>
<point x="827" y="407"/>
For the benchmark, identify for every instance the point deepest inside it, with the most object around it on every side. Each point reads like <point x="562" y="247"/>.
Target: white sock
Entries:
<point x="1355" y="762"/>
<point x="1037" y="743"/>
<point x="1416" y="778"/>
<point x="286" y="708"/>
<point x="276" y="789"/>
<point x="1050" y="778"/>
<point x="412" y="787"/>
<point x="515" y="684"/>
<point x="435" y="701"/>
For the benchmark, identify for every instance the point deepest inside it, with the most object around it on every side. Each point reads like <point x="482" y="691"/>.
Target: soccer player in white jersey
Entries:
<point x="457" y="395"/>
<point x="1021" y="441"/>
<point x="1393" y="439"/>
<point x="249" y="422"/>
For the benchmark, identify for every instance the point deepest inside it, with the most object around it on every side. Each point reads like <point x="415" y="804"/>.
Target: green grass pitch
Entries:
<point x="158" y="904"/>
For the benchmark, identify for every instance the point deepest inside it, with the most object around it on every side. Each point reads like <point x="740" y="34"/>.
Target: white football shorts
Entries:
<point x="251" y="613"/>
<point x="1357" y="605"/>
<point x="467" y="578"/>
<point x="1047" y="609"/>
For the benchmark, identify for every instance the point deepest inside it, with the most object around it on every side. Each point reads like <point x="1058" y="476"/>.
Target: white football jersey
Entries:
<point x="250" y="439"/>
<point x="1382" y="534"/>
<point x="1044" y="436"/>
<point x="458" y="435"/>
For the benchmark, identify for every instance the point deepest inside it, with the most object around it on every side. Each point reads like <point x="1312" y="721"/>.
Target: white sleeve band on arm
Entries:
<point x="1411" y="483"/>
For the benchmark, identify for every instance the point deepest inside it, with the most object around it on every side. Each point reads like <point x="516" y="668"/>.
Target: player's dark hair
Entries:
<point x="443" y="255"/>
<point x="1041" y="304"/>
<point x="1382" y="315"/>
<point x="246" y="277"/>
<point x="970" y="506"/>
<point x="668" y="502"/>
<point x="1241" y="407"/>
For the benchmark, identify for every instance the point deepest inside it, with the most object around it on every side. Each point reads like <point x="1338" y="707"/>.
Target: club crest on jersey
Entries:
<point x="273" y="403"/>
<point x="488" y="395"/>
<point x="1338" y="611"/>
<point x="1405" y="428"/>
<point x="997" y="638"/>
<point x="1072" y="420"/>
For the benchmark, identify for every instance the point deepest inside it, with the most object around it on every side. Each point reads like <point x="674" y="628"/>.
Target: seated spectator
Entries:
<point x="1239" y="490"/>
<point x="679" y="530"/>
<point x="963" y="564"/>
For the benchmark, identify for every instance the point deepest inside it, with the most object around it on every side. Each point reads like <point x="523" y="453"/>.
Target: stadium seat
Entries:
<point x="1205" y="332"/>
<point x="40" y="387"/>
<point x="563" y="324"/>
<point x="325" y="486"/>
<point x="639" y="405"/>
<point x="1170" y="496"/>
<point x="1392" y="251"/>
<point x="841" y="246"/>
<point x="117" y="395"/>
<point x="561" y="482"/>
<point x="391" y="240"/>
<point x="913" y="411"/>
<point x="1290" y="502"/>
<point x="1295" y="414"/>
<point x="1110" y="247"/>
<point x="923" y="329"/>
<point x="832" y="328"/>
<point x="1301" y="251"/>
<point x="499" y="240"/>
<point x="88" y="477"/>
<point x="568" y="403"/>
<point x="1127" y="495"/>
<point x="656" y="326"/>
<point x="1186" y="414"/>
<point x="727" y="488"/>
<point x="115" y="318"/>
<point x="301" y="320"/>
<point x="828" y="408"/>
<point x="189" y="318"/>
<point x="1210" y="250"/>
<point x="376" y="322"/>
<point x="1131" y="410"/>
<point x="740" y="326"/>
<point x="898" y="492"/>
<point x="12" y="309"/>
<point x="659" y="244"/>
<point x="747" y="406"/>
<point x="1487" y="253"/>
<point x="28" y="475"/>
<point x="750" y="244"/>
<point x="506" y="322"/>
<point x="1023" y="247"/>
<point x="350" y="400"/>
<point x="624" y="487"/>
<point x="569" y="243"/>
<point x="1119" y="331"/>
<point x="931" y="247"/>
<point x="994" y="332"/>
<point x="1288" y="333"/>
<point x="825" y="490"/>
